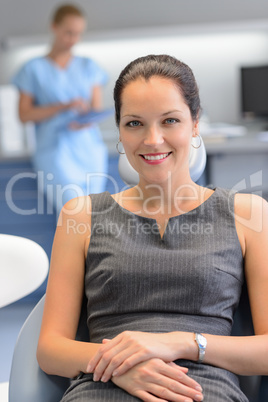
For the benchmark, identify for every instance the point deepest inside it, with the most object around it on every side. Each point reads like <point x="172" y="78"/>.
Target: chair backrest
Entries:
<point x="27" y="382"/>
<point x="24" y="267"/>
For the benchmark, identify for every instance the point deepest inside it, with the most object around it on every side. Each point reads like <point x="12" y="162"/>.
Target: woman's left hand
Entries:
<point x="157" y="381"/>
<point x="115" y="357"/>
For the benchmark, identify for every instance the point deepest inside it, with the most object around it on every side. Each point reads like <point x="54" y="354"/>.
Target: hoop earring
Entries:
<point x="117" y="148"/>
<point x="200" y="142"/>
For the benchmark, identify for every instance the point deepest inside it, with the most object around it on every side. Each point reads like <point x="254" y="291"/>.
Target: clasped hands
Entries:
<point x="142" y="364"/>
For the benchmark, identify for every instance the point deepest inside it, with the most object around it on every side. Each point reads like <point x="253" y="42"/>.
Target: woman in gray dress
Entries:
<point x="162" y="264"/>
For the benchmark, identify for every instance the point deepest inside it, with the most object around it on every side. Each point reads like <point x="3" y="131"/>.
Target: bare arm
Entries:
<point x="96" y="102"/>
<point x="29" y="112"/>
<point x="58" y="352"/>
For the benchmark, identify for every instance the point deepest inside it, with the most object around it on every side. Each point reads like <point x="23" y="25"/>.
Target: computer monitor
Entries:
<point x="254" y="91"/>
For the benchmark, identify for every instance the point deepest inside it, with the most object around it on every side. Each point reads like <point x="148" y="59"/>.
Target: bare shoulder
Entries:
<point x="77" y="209"/>
<point x="74" y="223"/>
<point x="251" y="211"/>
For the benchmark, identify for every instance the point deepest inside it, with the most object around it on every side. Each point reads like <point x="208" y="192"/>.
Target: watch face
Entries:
<point x="202" y="341"/>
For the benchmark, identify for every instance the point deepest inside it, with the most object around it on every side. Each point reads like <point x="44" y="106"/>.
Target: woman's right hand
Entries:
<point x="157" y="381"/>
<point x="78" y="104"/>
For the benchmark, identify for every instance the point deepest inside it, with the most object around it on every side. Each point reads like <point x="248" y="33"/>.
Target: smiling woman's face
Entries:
<point x="156" y="129"/>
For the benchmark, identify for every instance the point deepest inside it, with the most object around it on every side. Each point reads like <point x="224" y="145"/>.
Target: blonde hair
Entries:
<point x="65" y="10"/>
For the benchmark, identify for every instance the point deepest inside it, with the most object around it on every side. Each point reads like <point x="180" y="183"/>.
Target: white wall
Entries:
<point x="215" y="58"/>
<point x="32" y="17"/>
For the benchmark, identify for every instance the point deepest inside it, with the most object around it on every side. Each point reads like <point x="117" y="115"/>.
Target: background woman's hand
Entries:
<point x="126" y="350"/>
<point x="79" y="105"/>
<point x="78" y="126"/>
<point x="155" y="381"/>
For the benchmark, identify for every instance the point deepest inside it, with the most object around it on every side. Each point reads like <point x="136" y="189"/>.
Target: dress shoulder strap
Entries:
<point x="101" y="202"/>
<point x="226" y="198"/>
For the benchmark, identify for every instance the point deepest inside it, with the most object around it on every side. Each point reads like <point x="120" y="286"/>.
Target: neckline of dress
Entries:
<point x="207" y="201"/>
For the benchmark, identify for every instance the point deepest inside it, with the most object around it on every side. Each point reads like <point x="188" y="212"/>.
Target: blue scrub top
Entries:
<point x="67" y="154"/>
<point x="50" y="84"/>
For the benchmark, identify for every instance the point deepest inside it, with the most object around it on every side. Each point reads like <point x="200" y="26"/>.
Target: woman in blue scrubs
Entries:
<point x="54" y="89"/>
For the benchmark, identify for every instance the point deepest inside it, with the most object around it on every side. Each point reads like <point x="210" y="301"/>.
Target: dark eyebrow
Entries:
<point x="171" y="111"/>
<point x="132" y="115"/>
<point x="135" y="116"/>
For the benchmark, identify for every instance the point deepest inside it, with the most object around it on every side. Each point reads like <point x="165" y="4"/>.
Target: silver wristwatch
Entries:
<point x="201" y="343"/>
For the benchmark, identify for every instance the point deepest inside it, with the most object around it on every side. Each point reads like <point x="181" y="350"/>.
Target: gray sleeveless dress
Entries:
<point x="188" y="280"/>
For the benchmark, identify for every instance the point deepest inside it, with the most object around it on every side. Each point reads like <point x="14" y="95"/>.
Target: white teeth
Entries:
<point x="155" y="157"/>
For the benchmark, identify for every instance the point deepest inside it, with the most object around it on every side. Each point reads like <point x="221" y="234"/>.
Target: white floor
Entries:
<point x="12" y="318"/>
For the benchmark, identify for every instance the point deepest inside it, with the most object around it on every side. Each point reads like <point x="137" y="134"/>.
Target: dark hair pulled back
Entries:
<point x="162" y="66"/>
